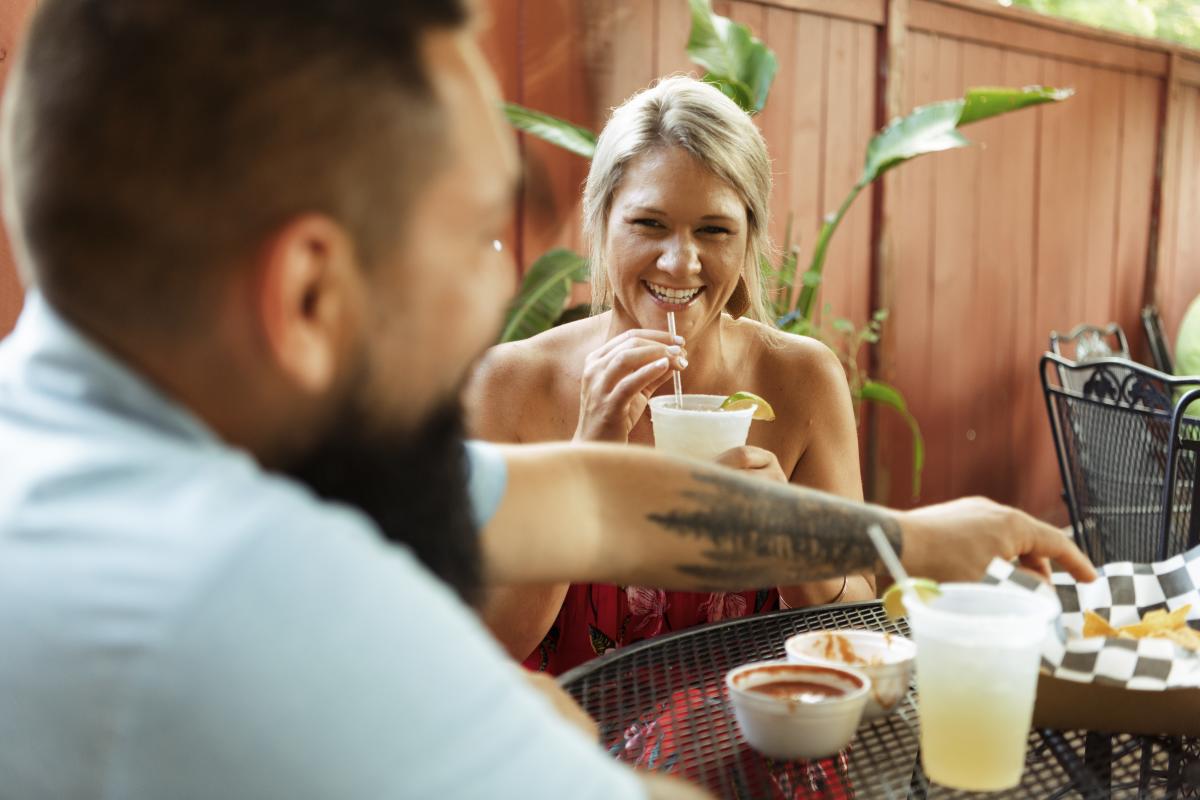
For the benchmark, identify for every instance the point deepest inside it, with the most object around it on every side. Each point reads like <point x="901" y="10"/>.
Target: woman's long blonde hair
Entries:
<point x="682" y="112"/>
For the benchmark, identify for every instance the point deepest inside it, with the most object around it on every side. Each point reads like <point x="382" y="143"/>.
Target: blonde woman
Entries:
<point x="675" y="213"/>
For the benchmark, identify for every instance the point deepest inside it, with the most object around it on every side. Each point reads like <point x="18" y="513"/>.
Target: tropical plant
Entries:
<point x="744" y="69"/>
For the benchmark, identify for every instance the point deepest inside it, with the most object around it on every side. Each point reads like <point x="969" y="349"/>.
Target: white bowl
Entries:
<point x="788" y="728"/>
<point x="885" y="658"/>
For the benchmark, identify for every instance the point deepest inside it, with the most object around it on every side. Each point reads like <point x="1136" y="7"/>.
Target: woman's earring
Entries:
<point x="739" y="302"/>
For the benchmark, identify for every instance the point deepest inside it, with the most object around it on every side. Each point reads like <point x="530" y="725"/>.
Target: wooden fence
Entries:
<point x="1061" y="214"/>
<point x="1056" y="216"/>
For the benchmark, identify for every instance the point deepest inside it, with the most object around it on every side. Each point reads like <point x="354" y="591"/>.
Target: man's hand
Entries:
<point x="563" y="703"/>
<point x="753" y="461"/>
<point x="956" y="541"/>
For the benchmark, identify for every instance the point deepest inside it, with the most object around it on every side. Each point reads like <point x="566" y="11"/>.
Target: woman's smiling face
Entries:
<point x="676" y="241"/>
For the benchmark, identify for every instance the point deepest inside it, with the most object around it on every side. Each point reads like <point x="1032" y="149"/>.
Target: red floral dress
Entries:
<point x="596" y="618"/>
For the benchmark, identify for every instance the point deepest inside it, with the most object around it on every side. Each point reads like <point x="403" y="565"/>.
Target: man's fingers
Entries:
<point x="1053" y="545"/>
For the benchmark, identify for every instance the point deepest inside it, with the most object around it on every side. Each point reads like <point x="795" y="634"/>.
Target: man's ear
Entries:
<point x="306" y="292"/>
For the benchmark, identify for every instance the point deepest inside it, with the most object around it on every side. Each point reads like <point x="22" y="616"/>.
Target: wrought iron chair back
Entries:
<point x="1181" y="495"/>
<point x="1112" y="424"/>
<point x="1160" y="348"/>
<point x="1086" y="343"/>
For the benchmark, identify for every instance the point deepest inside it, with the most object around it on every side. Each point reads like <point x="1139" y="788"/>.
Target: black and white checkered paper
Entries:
<point x="1122" y="595"/>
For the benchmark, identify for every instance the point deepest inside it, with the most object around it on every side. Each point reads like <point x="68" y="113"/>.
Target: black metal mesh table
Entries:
<point x="661" y="705"/>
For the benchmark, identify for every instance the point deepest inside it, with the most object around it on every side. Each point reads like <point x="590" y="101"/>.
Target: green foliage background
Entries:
<point x="1172" y="20"/>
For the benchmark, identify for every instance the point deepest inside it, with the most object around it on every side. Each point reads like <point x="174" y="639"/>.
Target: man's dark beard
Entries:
<point x="413" y="486"/>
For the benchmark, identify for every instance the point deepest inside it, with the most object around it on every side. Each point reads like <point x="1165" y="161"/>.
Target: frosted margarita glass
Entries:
<point x="699" y="429"/>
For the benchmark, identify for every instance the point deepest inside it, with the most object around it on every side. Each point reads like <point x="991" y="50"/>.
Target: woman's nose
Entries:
<point x="679" y="257"/>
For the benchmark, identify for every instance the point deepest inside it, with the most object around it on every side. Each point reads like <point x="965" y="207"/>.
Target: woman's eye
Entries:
<point x="714" y="229"/>
<point x="647" y="223"/>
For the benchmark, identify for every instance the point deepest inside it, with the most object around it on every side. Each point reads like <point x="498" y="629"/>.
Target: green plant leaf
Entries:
<point x="882" y="393"/>
<point x="737" y="61"/>
<point x="544" y="292"/>
<point x="557" y="131"/>
<point x="982" y="102"/>
<point x="928" y="129"/>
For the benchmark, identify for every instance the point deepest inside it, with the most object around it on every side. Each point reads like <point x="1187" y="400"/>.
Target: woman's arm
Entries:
<point x="517" y="615"/>
<point x="829" y="461"/>
<point x="586" y="513"/>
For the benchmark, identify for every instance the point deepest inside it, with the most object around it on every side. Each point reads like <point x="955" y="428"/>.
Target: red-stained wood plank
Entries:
<point x="673" y="26"/>
<point x="980" y="433"/>
<point x="1172" y="181"/>
<point x="1183" y="281"/>
<point x="1026" y="416"/>
<point x="804" y="172"/>
<point x="13" y="17"/>
<point x="1030" y="33"/>
<point x="1016" y="215"/>
<point x="866" y="112"/>
<point x="628" y="63"/>
<point x="907" y="328"/>
<point x="775" y="121"/>
<point x="556" y="37"/>
<point x="1062" y="227"/>
<point x="1140" y="98"/>
<point x="850" y="104"/>
<point x="1102" y="88"/>
<point x="952" y="284"/>
<point x="869" y="11"/>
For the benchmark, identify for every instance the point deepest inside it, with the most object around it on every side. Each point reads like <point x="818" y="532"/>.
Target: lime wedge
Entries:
<point x="742" y="400"/>
<point x="893" y="603"/>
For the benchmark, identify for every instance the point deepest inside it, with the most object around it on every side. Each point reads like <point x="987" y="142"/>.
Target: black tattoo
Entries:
<point x="761" y="534"/>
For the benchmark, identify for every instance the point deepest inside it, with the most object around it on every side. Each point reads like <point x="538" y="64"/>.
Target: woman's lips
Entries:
<point x="671" y="298"/>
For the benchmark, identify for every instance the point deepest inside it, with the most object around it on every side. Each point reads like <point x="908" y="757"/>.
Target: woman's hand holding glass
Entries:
<point x="754" y="461"/>
<point x="619" y="379"/>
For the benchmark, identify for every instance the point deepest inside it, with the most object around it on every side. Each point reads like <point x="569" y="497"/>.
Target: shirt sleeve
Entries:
<point x="327" y="664"/>
<point x="487" y="478"/>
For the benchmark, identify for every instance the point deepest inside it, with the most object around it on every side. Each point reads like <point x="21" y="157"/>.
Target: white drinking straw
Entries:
<point x="887" y="555"/>
<point x="892" y="562"/>
<point x="675" y="373"/>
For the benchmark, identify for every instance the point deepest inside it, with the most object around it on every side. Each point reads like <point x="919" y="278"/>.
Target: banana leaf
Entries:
<point x="566" y="135"/>
<point x="737" y="61"/>
<point x="933" y="128"/>
<point x="544" y="293"/>
<point x="885" y="395"/>
<point x="928" y="129"/>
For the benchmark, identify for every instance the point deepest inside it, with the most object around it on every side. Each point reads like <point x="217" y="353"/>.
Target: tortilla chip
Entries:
<point x="1096" y="625"/>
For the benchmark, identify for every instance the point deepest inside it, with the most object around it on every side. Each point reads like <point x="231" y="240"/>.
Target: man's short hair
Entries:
<point x="148" y="144"/>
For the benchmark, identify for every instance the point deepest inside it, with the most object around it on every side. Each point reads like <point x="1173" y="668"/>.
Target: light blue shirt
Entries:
<point x="177" y="623"/>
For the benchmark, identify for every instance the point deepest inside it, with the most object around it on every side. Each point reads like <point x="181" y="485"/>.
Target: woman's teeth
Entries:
<point x="673" y="296"/>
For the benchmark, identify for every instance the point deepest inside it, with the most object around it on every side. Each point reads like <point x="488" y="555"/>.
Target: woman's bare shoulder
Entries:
<point x="797" y="369"/>
<point x="516" y="378"/>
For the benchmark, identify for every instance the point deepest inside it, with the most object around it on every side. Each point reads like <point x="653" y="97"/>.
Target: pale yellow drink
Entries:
<point x="978" y="650"/>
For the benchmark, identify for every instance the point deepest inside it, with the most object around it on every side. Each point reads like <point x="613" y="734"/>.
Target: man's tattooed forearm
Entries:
<point x="759" y="534"/>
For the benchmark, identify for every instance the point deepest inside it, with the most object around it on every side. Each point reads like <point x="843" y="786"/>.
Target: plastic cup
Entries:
<point x="698" y="430"/>
<point x="978" y="651"/>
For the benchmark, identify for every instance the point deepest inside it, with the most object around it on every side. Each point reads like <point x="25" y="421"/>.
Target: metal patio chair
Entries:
<point x="1085" y="343"/>
<point x="1160" y="348"/>
<point x="1112" y="424"/>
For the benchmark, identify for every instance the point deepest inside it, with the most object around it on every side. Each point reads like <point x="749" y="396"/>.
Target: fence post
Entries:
<point x="1165" y="201"/>
<point x="892" y="60"/>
